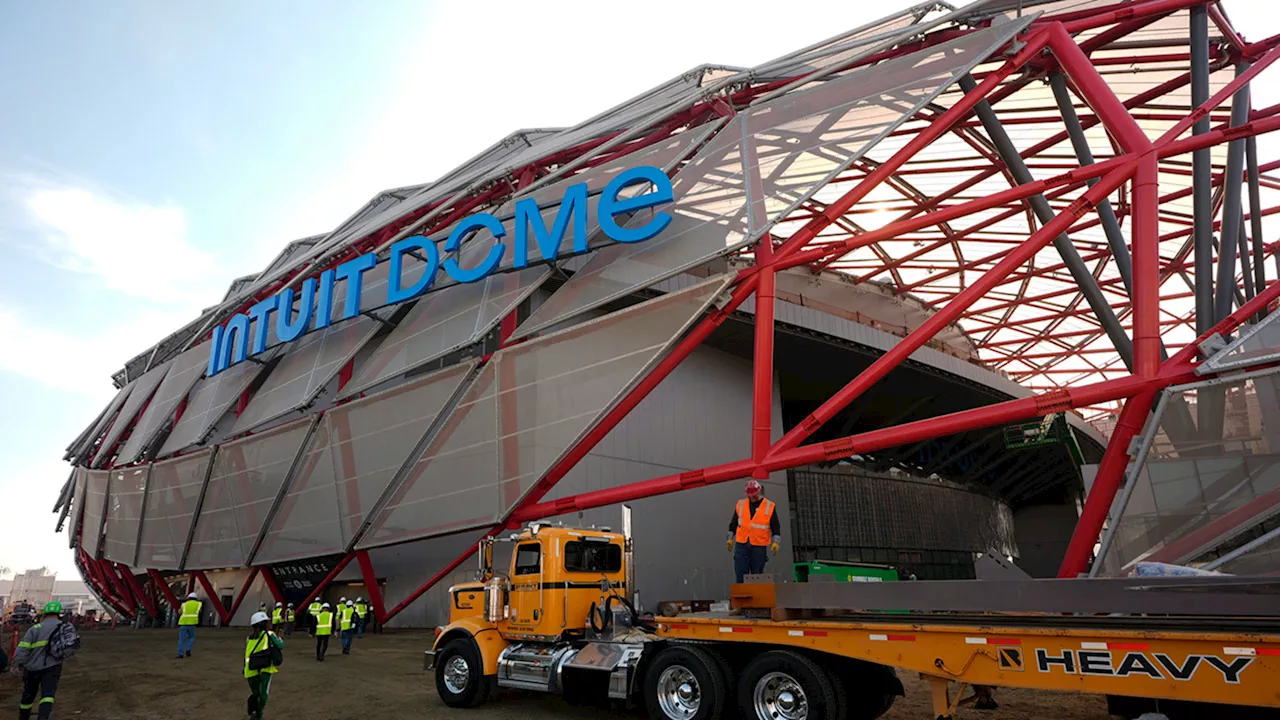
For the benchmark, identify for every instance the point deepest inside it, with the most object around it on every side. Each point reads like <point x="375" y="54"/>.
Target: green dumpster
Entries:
<point x="844" y="571"/>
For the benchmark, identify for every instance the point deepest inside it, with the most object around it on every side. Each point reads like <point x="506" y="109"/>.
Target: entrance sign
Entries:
<point x="244" y="334"/>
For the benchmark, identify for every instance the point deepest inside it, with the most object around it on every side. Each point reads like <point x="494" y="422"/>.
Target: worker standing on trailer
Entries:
<point x="323" y="629"/>
<point x="277" y="616"/>
<point x="187" y="623"/>
<point x="263" y="653"/>
<point x="361" y="611"/>
<point x="346" y="619"/>
<point x="753" y="528"/>
<point x="288" y="619"/>
<point x="314" y="611"/>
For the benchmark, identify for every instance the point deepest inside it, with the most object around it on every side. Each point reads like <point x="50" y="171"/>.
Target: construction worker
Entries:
<point x="314" y="611"/>
<point x="277" y="616"/>
<point x="288" y="620"/>
<point x="346" y="621"/>
<point x="187" y="623"/>
<point x="323" y="629"/>
<point x="261" y="640"/>
<point x="40" y="669"/>
<point x="361" y="610"/>
<point x="754" y="527"/>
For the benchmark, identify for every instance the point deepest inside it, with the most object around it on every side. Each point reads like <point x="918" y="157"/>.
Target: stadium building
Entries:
<point x="892" y="275"/>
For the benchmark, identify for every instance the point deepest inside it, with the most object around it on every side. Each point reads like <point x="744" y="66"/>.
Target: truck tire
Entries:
<point x="685" y="683"/>
<point x="863" y="691"/>
<point x="460" y="679"/>
<point x="785" y="685"/>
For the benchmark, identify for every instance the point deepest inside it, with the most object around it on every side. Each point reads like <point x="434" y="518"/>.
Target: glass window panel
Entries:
<point x="95" y="498"/>
<point x="141" y="393"/>
<point x="124" y="510"/>
<point x="529" y="405"/>
<point x="172" y="493"/>
<point x="243" y="484"/>
<point x="209" y="401"/>
<point x="184" y="371"/>
<point x="357" y="449"/>
<point x="443" y="322"/>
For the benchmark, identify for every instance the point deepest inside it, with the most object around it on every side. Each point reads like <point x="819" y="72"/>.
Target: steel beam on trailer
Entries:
<point x="1080" y="272"/>
<point x="1183" y="596"/>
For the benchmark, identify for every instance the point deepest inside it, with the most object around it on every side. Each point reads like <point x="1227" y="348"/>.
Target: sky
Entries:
<point x="151" y="152"/>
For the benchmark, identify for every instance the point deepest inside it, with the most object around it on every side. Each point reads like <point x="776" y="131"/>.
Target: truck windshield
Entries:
<point x="592" y="557"/>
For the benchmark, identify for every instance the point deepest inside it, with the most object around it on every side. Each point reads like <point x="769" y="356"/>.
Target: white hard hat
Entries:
<point x="350" y="603"/>
<point x="342" y="599"/>
<point x="192" y="596"/>
<point x="360" y="599"/>
<point x="325" y="605"/>
<point x="258" y="617"/>
<point x="279" y="604"/>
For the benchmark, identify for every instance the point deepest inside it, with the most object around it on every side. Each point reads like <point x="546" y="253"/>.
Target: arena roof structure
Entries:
<point x="1060" y="185"/>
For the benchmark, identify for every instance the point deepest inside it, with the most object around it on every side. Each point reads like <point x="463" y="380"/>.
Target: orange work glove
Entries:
<point x="728" y="544"/>
<point x="774" y="548"/>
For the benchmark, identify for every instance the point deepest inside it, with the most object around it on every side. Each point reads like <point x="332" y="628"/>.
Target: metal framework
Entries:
<point x="1062" y="202"/>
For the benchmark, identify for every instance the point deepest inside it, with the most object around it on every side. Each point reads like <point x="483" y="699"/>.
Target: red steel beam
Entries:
<point x="159" y="582"/>
<point x="371" y="586"/>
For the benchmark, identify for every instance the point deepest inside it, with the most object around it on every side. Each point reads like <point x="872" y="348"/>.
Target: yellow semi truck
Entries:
<point x="560" y="621"/>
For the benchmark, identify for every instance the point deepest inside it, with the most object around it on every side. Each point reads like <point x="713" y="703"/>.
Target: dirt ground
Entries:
<point x="125" y="674"/>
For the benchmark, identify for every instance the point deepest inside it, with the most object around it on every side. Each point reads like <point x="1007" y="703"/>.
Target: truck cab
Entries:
<point x="521" y="626"/>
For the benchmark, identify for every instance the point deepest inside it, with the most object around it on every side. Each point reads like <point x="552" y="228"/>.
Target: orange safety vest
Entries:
<point x="754" y="530"/>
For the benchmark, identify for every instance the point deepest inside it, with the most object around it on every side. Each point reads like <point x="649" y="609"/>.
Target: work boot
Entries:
<point x="188" y="653"/>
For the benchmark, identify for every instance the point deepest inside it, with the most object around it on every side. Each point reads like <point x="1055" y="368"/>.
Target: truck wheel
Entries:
<point x="785" y="685"/>
<point x="684" y="683"/>
<point x="460" y="679"/>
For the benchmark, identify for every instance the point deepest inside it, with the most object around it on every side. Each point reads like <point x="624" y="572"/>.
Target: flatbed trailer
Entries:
<point x="560" y="621"/>
<point x="1228" y="667"/>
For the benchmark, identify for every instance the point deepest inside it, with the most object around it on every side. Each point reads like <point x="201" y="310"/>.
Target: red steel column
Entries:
<point x="762" y="389"/>
<point x="371" y="585"/>
<point x="1110" y="473"/>
<point x="1146" y="267"/>
<point x="269" y="578"/>
<point x="158" y="581"/>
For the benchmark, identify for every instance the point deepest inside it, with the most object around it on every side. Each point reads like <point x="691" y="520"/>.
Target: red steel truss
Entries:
<point x="923" y="221"/>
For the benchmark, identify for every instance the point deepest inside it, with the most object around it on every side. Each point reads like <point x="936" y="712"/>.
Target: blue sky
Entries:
<point x="150" y="152"/>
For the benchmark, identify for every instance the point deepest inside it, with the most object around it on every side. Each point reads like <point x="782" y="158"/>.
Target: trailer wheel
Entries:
<point x="785" y="685"/>
<point x="684" y="683"/>
<point x="460" y="679"/>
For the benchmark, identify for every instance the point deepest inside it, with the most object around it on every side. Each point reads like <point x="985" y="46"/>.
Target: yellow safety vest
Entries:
<point x="324" y="623"/>
<point x="361" y="609"/>
<point x="345" y="613"/>
<point x="314" y="609"/>
<point x="253" y="645"/>
<point x="288" y="615"/>
<point x="754" y="529"/>
<point x="190" y="613"/>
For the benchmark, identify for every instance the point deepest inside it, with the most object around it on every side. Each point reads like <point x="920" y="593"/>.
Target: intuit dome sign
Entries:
<point x="312" y="306"/>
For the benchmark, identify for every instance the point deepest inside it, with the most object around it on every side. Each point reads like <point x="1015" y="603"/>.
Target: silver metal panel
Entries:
<point x="355" y="452"/>
<point x="244" y="482"/>
<point x="208" y="402"/>
<point x="126" y="493"/>
<point x="185" y="370"/>
<point x="530" y="404"/>
<point x="140" y="394"/>
<point x="77" y="505"/>
<point x="172" y="493"/>
<point x="95" y="504"/>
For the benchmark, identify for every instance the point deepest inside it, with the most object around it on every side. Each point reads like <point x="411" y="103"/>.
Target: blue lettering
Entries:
<point x="215" y="349"/>
<point x="352" y="271"/>
<point x="235" y="341"/>
<point x="285" y="329"/>
<point x="611" y="204"/>
<point x="410" y="245"/>
<point x="529" y="216"/>
<point x="324" y="306"/>
<point x="475" y="222"/>
<point x="260" y="314"/>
